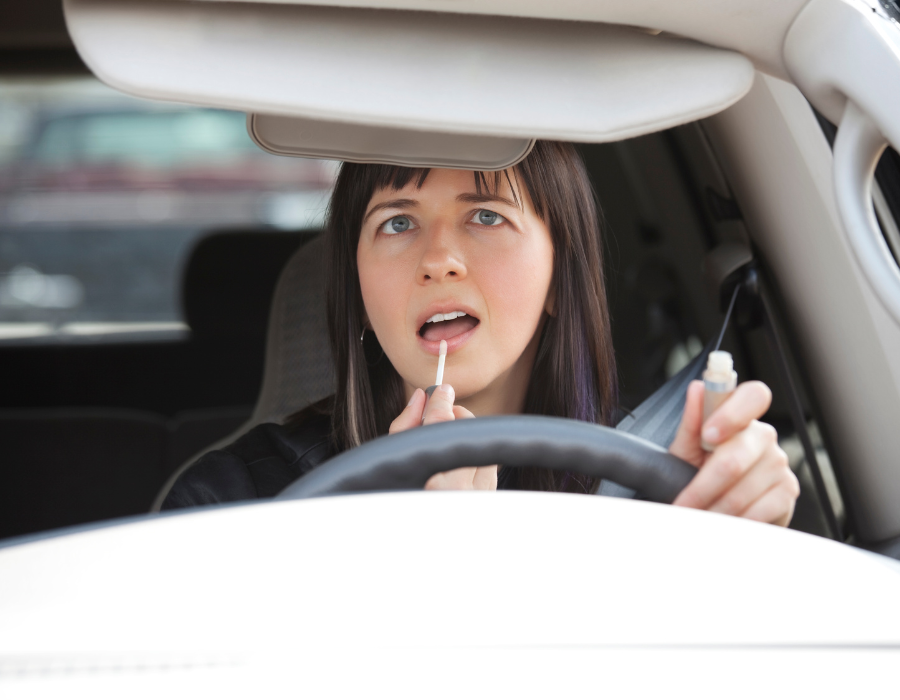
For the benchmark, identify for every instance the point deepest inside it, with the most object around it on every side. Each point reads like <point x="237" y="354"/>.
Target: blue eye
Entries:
<point x="398" y="224"/>
<point x="486" y="217"/>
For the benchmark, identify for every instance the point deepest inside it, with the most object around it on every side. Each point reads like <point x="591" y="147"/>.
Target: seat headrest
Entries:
<point x="298" y="369"/>
<point x="229" y="280"/>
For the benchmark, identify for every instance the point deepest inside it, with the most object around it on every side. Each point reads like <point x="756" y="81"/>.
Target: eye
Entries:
<point x="398" y="224"/>
<point x="486" y="217"/>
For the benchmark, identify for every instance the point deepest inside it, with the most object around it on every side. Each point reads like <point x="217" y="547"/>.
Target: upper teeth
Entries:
<point x="445" y="317"/>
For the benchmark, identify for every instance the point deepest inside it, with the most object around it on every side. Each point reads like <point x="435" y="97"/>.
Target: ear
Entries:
<point x="550" y="302"/>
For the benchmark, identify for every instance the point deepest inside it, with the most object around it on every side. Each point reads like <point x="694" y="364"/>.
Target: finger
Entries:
<point x="461" y="479"/>
<point x="776" y="506"/>
<point x="411" y="416"/>
<point x="462" y="412"/>
<point x="485" y="478"/>
<point x="439" y="409"/>
<point x="687" y="440"/>
<point x="726" y="466"/>
<point x="771" y="469"/>
<point x="748" y="402"/>
<point x="440" y="406"/>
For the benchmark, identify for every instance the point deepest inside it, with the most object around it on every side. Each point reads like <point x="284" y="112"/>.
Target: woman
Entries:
<point x="507" y="268"/>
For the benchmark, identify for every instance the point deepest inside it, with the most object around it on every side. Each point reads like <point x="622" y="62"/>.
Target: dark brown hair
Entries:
<point x="574" y="374"/>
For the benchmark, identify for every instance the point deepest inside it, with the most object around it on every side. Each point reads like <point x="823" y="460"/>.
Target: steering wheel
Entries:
<point x="407" y="460"/>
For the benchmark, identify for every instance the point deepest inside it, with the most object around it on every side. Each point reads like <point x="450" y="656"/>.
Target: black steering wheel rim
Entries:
<point x="407" y="460"/>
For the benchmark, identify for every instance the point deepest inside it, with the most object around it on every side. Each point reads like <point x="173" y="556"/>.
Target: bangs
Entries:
<point x="496" y="178"/>
<point x="396" y="177"/>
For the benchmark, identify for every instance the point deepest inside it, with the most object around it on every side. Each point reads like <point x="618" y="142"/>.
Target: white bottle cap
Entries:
<point x="720" y="362"/>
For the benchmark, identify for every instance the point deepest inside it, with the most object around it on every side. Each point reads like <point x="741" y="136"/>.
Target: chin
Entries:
<point x="467" y="388"/>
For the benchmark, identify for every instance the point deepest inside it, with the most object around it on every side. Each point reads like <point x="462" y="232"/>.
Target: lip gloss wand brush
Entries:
<point x="439" y="379"/>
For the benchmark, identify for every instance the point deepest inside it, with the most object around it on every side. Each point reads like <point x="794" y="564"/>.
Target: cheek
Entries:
<point x="383" y="290"/>
<point x="516" y="289"/>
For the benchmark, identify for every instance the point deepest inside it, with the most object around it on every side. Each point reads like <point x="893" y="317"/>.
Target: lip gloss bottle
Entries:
<point x="719" y="382"/>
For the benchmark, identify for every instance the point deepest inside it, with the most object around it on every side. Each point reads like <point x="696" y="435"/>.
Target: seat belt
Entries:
<point x="658" y="416"/>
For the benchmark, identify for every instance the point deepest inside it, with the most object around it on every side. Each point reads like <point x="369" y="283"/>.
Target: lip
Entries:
<point x="433" y="347"/>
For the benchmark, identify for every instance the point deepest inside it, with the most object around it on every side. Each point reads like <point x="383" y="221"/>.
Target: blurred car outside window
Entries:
<point x="103" y="196"/>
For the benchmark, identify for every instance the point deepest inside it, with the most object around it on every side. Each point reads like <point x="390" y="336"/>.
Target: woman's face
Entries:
<point x="445" y="249"/>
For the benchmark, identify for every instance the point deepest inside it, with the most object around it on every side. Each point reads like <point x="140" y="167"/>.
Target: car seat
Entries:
<point x="298" y="369"/>
<point x="227" y="289"/>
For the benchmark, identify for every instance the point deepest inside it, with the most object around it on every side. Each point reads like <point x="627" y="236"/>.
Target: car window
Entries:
<point x="103" y="196"/>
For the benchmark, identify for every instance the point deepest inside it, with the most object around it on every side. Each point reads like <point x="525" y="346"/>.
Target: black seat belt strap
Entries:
<point x="658" y="416"/>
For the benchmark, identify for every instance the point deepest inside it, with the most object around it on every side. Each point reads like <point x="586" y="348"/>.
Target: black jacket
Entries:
<point x="257" y="465"/>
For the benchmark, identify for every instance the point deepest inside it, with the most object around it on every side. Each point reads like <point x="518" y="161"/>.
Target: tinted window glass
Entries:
<point x="102" y="197"/>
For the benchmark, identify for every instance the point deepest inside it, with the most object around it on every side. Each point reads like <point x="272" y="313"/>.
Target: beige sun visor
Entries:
<point x="360" y="143"/>
<point x="415" y="88"/>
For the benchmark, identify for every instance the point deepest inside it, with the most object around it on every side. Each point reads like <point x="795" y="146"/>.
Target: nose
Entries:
<point x="442" y="258"/>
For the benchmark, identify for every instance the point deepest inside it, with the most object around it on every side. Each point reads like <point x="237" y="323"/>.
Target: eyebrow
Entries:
<point x="391" y="204"/>
<point x="473" y="198"/>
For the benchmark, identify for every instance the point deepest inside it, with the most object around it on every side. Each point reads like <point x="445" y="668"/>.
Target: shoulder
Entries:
<point x="257" y="465"/>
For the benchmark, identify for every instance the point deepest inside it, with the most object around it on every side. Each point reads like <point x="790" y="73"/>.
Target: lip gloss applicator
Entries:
<point x="439" y="379"/>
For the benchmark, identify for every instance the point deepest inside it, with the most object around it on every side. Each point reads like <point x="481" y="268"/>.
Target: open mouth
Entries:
<point x="445" y="326"/>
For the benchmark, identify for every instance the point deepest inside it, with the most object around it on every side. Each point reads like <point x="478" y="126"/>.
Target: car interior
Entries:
<point x="96" y="426"/>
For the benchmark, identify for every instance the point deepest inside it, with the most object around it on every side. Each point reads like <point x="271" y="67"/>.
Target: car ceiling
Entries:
<point x="34" y="39"/>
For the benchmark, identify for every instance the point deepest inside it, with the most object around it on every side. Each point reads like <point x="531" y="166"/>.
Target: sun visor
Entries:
<point x="358" y="143"/>
<point x="413" y="88"/>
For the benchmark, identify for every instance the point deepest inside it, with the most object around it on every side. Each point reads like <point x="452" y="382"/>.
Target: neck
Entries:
<point x="504" y="396"/>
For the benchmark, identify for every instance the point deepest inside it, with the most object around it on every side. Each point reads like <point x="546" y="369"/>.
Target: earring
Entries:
<point x="361" y="335"/>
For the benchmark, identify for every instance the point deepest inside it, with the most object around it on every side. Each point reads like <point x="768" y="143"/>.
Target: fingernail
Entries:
<point x="711" y="433"/>
<point x="447" y="389"/>
<point x="412" y="398"/>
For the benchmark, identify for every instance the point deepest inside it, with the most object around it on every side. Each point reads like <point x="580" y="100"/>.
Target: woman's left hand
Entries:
<point x="747" y="474"/>
<point x="439" y="409"/>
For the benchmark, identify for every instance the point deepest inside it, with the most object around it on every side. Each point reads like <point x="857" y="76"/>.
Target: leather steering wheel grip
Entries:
<point x="407" y="460"/>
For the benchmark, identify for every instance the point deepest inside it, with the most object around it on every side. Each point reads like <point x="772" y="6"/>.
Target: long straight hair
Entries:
<point x="574" y="373"/>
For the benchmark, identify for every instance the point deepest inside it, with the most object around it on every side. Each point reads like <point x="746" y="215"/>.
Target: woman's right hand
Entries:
<point x="423" y="411"/>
